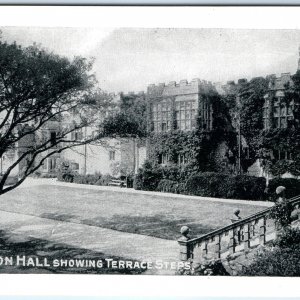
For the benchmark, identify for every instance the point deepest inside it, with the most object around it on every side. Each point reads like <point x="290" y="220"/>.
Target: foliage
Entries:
<point x="245" y="102"/>
<point x="292" y="186"/>
<point x="131" y="119"/>
<point x="65" y="173"/>
<point x="87" y="179"/>
<point x="226" y="186"/>
<point x="289" y="238"/>
<point x="104" y="180"/>
<point x="149" y="177"/>
<point x="284" y="140"/>
<point x="283" y="259"/>
<point x="122" y="125"/>
<point x="37" y="88"/>
<point x="281" y="213"/>
<point x="186" y="181"/>
<point x="171" y="186"/>
<point x="198" y="148"/>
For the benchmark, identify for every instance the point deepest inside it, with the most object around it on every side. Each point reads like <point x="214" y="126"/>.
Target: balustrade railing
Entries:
<point x="254" y="230"/>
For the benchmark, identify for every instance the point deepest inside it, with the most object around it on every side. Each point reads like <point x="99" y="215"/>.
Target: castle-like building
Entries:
<point x="178" y="106"/>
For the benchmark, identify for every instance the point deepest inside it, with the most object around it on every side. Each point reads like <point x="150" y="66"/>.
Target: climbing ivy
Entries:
<point x="283" y="140"/>
<point x="198" y="146"/>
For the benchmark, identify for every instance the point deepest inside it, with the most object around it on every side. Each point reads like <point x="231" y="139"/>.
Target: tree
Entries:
<point x="131" y="119"/>
<point x="37" y="89"/>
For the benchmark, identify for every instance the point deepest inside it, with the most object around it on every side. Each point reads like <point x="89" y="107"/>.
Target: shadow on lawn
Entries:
<point x="12" y="245"/>
<point x="158" y="226"/>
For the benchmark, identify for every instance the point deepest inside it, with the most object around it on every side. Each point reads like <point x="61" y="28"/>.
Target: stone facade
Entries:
<point x="276" y="113"/>
<point x="178" y="106"/>
<point x="116" y="157"/>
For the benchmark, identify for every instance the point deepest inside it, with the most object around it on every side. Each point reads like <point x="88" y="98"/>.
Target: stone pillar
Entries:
<point x="185" y="247"/>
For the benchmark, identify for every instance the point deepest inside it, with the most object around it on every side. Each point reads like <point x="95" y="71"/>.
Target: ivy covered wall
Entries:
<point x="198" y="150"/>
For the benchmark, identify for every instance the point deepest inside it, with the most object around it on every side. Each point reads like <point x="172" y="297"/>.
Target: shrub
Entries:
<point x="281" y="213"/>
<point x="87" y="179"/>
<point x="171" y="186"/>
<point x="148" y="177"/>
<point x="226" y="186"/>
<point x="281" y="260"/>
<point x="104" y="180"/>
<point x="289" y="238"/>
<point x="65" y="173"/>
<point x="292" y="187"/>
<point x="249" y="187"/>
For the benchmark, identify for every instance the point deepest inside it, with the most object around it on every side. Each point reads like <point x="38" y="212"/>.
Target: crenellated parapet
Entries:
<point x="183" y="87"/>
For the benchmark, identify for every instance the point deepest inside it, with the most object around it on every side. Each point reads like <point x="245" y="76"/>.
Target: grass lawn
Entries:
<point x="143" y="214"/>
<point x="16" y="245"/>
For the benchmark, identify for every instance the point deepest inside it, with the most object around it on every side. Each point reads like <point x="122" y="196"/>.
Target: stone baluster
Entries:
<point x="262" y="231"/>
<point x="218" y="246"/>
<point x="246" y="236"/>
<point x="232" y="244"/>
<point x="205" y="248"/>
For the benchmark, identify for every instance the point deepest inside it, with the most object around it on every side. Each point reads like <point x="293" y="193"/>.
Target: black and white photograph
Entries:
<point x="150" y="151"/>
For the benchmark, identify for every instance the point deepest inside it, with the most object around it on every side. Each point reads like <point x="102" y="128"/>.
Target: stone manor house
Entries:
<point x="172" y="106"/>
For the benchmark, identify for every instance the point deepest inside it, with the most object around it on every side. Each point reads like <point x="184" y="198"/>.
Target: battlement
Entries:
<point x="183" y="87"/>
<point x="183" y="82"/>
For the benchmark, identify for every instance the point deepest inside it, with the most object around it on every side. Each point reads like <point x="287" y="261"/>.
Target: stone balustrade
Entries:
<point x="247" y="233"/>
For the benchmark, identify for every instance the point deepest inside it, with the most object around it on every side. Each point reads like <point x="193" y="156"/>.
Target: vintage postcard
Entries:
<point x="149" y="150"/>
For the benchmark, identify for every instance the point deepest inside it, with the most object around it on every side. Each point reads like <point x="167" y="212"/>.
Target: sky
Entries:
<point x="129" y="59"/>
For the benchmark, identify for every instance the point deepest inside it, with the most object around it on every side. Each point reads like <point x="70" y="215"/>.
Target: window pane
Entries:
<point x="182" y="115"/>
<point x="188" y="125"/>
<point x="188" y="114"/>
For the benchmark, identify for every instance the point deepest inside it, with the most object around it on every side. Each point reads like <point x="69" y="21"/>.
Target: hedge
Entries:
<point x="292" y="186"/>
<point x="226" y="186"/>
<point x="171" y="186"/>
<point x="149" y="177"/>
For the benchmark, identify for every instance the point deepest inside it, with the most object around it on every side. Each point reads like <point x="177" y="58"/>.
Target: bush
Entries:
<point x="87" y="179"/>
<point x="104" y="180"/>
<point x="289" y="238"/>
<point x="171" y="186"/>
<point x="281" y="213"/>
<point x="292" y="187"/>
<point x="65" y="173"/>
<point x="226" y="186"/>
<point x="281" y="260"/>
<point x="149" y="177"/>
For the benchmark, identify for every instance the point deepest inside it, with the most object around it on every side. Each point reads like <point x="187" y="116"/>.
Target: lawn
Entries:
<point x="142" y="214"/>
